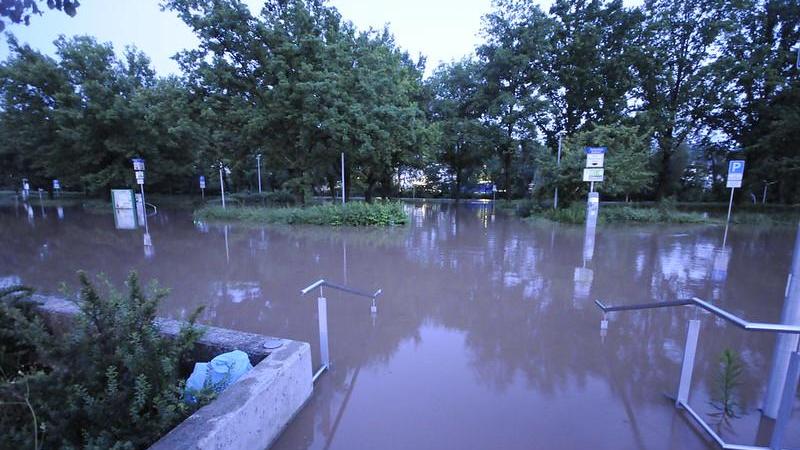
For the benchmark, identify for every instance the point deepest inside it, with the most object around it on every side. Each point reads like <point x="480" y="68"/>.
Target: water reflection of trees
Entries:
<point x="507" y="285"/>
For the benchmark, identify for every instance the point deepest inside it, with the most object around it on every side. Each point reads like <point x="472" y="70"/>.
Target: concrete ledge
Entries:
<point x="251" y="413"/>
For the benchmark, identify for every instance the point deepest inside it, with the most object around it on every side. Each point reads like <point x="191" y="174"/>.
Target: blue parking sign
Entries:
<point x="736" y="166"/>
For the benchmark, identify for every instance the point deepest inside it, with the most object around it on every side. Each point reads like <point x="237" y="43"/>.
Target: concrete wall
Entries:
<point x="251" y="413"/>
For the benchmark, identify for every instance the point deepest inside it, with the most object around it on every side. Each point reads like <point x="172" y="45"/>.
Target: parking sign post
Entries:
<point x="735" y="175"/>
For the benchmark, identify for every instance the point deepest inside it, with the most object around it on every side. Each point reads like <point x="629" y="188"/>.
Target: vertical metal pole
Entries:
<point x="343" y="188"/>
<point x="324" y="351"/>
<point x="785" y="344"/>
<point x="558" y="168"/>
<point x="258" y="161"/>
<point x="687" y="367"/>
<point x="730" y="206"/>
<point x="787" y="403"/>
<point x="222" y="185"/>
<point x="144" y="209"/>
<point x="591" y="186"/>
<point x="764" y="195"/>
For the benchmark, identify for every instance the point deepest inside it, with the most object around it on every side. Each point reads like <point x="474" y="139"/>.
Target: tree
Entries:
<point x="463" y="139"/>
<point x="19" y="11"/>
<point x="591" y="70"/>
<point x="513" y="62"/>
<point x="677" y="42"/>
<point x="626" y="162"/>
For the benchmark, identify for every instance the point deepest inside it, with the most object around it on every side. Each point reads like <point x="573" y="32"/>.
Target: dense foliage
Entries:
<point x="352" y="214"/>
<point x="111" y="382"/>
<point x="673" y="88"/>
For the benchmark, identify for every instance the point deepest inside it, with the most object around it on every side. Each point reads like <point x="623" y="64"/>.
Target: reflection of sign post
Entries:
<point x="735" y="175"/>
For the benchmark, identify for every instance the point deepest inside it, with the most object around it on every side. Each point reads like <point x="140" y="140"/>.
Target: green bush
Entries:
<point x="352" y="214"/>
<point x="576" y="214"/>
<point x="111" y="382"/>
<point x="274" y="198"/>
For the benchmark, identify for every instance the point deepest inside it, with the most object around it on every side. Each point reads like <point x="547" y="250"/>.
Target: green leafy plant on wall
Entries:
<point x="112" y="381"/>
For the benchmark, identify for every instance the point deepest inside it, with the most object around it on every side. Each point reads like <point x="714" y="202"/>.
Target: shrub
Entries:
<point x="352" y="214"/>
<point x="111" y="382"/>
<point x="274" y="198"/>
<point x="663" y="213"/>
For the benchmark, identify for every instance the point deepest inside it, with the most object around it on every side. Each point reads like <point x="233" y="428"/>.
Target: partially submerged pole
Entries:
<point x="785" y="344"/>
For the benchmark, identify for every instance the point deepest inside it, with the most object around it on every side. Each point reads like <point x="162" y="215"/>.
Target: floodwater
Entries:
<point x="486" y="335"/>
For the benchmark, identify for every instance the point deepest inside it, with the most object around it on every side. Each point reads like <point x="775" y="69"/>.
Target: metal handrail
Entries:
<point x="155" y="209"/>
<point x="322" y="317"/>
<point x="684" y="386"/>
<point x="339" y="287"/>
<point x="719" y="312"/>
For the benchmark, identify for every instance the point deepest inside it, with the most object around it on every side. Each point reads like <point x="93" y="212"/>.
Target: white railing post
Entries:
<point x="687" y="367"/>
<point x="787" y="402"/>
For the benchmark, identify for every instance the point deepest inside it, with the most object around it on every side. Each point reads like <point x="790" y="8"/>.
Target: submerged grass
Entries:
<point x="352" y="214"/>
<point x="576" y="214"/>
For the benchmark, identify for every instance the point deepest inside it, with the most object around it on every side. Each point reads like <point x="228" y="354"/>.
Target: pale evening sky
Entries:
<point x="442" y="30"/>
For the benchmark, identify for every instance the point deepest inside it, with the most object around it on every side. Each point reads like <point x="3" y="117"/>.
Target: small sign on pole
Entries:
<point x="202" y="186"/>
<point x="593" y="175"/>
<point x="735" y="175"/>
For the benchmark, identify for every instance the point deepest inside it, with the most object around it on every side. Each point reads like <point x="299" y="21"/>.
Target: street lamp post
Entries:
<point x="558" y="168"/>
<point x="258" y="162"/>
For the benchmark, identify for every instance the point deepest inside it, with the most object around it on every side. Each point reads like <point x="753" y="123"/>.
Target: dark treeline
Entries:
<point x="673" y="88"/>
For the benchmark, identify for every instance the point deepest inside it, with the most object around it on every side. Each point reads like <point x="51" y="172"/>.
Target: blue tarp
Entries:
<point x="217" y="374"/>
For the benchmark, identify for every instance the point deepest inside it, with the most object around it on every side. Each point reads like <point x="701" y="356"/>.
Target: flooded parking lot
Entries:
<point x="486" y="335"/>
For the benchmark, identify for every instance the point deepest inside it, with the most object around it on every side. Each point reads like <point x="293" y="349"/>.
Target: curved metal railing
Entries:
<point x="322" y="309"/>
<point x="682" y="401"/>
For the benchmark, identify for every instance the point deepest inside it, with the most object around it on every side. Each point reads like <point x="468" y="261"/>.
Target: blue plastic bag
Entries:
<point x="217" y="374"/>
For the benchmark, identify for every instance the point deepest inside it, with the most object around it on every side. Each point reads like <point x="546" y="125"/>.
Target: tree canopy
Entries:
<point x="673" y="88"/>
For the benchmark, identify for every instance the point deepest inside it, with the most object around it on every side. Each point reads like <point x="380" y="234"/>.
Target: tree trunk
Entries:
<point x="368" y="192"/>
<point x="332" y="187"/>
<point x="457" y="195"/>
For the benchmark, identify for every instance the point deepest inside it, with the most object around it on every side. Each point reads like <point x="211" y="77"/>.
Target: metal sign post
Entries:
<point x="222" y="183"/>
<point x="593" y="172"/>
<point x="343" y="189"/>
<point x="138" y="169"/>
<point x="258" y="165"/>
<point x="202" y="187"/>
<point x="735" y="175"/>
<point x="56" y="188"/>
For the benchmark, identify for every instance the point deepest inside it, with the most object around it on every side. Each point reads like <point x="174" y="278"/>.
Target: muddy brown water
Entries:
<point x="486" y="335"/>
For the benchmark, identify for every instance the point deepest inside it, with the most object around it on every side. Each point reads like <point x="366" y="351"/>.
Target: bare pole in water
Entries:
<point x="558" y="167"/>
<point x="222" y="184"/>
<point x="258" y="163"/>
<point x="730" y="206"/>
<point x="785" y="344"/>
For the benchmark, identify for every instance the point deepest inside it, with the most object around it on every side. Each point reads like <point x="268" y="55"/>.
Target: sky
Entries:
<point x="442" y="30"/>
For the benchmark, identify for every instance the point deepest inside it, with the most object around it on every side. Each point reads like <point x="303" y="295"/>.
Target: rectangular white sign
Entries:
<point x="735" y="173"/>
<point x="595" y="159"/>
<point x="593" y="174"/>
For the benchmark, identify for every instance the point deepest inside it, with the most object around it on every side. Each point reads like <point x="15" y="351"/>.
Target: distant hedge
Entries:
<point x="351" y="214"/>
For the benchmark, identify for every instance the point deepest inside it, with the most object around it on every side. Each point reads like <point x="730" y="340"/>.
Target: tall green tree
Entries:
<point x="677" y="42"/>
<point x="463" y="140"/>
